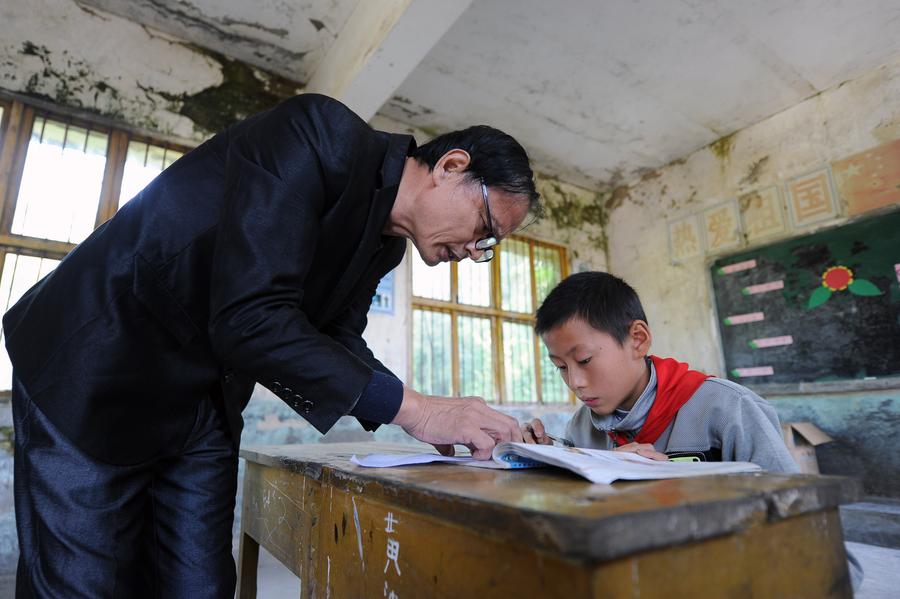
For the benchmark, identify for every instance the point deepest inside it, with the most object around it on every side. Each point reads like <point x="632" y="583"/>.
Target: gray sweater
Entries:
<point x="721" y="416"/>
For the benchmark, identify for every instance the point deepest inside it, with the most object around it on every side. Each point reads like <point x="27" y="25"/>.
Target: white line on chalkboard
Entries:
<point x="763" y="287"/>
<point x="764" y="342"/>
<point x="736" y="267"/>
<point x="744" y="318"/>
<point x="752" y="371"/>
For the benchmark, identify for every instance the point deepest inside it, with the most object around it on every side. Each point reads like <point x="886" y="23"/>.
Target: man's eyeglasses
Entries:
<point x="485" y="244"/>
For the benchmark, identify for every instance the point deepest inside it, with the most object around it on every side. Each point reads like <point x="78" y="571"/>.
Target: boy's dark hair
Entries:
<point x="604" y="301"/>
<point x="496" y="158"/>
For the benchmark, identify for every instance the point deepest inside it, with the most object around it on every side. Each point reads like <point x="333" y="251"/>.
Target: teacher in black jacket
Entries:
<point x="253" y="258"/>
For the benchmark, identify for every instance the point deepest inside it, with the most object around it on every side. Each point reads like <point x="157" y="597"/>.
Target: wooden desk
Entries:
<point x="451" y="531"/>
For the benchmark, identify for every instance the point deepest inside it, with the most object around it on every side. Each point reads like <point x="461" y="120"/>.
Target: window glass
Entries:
<point x="20" y="273"/>
<point x="431" y="282"/>
<point x="476" y="354"/>
<point x="515" y="276"/>
<point x="432" y="353"/>
<point x="547" y="270"/>
<point x="485" y="331"/>
<point x="518" y="362"/>
<point x="553" y="388"/>
<point x="61" y="182"/>
<point x="473" y="283"/>
<point x="143" y="162"/>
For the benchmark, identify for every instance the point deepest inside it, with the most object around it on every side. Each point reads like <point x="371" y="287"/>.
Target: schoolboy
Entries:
<point x="598" y="338"/>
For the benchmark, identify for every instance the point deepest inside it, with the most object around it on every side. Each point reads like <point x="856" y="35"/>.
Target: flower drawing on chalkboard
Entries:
<point x="840" y="278"/>
<point x="837" y="278"/>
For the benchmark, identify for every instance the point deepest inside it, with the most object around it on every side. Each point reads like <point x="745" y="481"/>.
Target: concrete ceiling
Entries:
<point x="598" y="92"/>
<point x="287" y="37"/>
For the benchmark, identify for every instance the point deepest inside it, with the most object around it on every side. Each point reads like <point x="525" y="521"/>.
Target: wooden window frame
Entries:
<point x="497" y="316"/>
<point x="14" y="151"/>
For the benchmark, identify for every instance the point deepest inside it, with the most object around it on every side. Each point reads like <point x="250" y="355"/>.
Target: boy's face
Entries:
<point x="603" y="373"/>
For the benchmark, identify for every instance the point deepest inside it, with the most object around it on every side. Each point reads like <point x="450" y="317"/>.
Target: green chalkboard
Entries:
<point x="821" y="307"/>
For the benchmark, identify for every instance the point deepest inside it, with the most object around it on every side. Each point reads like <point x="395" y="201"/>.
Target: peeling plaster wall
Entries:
<point x="82" y="58"/>
<point x="852" y="117"/>
<point x="288" y="38"/>
<point x="576" y="218"/>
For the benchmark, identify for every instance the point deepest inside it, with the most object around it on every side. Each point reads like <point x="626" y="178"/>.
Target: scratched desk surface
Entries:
<point x="554" y="510"/>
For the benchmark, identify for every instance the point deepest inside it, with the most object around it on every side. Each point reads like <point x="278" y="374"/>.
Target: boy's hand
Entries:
<point x="644" y="449"/>
<point x="533" y="432"/>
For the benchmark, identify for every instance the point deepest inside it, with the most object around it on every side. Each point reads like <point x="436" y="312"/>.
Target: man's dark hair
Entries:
<point x="604" y="301"/>
<point x="496" y="158"/>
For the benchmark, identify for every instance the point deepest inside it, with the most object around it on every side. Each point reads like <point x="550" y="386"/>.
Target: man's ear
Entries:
<point x="640" y="338"/>
<point x="453" y="162"/>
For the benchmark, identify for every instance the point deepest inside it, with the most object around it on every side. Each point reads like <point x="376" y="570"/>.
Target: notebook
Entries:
<point x="596" y="465"/>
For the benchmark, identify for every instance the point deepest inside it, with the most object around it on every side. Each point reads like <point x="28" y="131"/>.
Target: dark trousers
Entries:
<point x="90" y="529"/>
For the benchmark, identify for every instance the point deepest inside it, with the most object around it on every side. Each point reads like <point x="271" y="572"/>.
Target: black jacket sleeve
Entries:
<point x="265" y="243"/>
<point x="347" y="329"/>
<point x="381" y="399"/>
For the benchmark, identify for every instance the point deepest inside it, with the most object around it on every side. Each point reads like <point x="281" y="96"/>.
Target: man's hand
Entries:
<point x="645" y="449"/>
<point x="533" y="432"/>
<point x="443" y="421"/>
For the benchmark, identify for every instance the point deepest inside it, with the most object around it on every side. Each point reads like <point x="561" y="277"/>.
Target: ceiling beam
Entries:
<point x="380" y="44"/>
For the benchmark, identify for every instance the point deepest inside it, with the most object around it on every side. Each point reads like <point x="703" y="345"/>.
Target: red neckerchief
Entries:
<point x="675" y="385"/>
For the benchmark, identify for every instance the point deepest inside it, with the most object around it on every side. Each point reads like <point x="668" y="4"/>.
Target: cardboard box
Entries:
<point x="801" y="439"/>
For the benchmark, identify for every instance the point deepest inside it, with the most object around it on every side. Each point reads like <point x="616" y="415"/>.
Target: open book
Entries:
<point x="596" y="465"/>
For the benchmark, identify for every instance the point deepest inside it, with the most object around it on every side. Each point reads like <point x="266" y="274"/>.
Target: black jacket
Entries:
<point x="252" y="258"/>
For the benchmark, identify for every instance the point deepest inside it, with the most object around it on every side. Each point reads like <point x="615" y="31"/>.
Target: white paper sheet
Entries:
<point x="391" y="460"/>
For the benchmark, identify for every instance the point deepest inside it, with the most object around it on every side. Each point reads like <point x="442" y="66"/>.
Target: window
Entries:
<point x="59" y="188"/>
<point x="59" y="179"/>
<point x="143" y="162"/>
<point x="20" y="272"/>
<point x="473" y="325"/>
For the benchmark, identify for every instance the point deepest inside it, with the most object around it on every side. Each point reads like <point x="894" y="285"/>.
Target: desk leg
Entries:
<point x="248" y="560"/>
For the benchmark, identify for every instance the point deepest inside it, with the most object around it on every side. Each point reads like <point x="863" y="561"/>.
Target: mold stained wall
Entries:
<point x="849" y="118"/>
<point x="852" y="117"/>
<point x="74" y="56"/>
